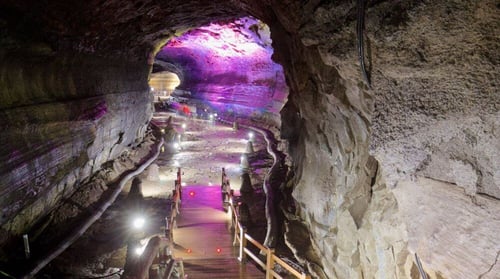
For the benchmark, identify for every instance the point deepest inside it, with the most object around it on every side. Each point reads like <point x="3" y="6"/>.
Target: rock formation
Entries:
<point x="406" y="165"/>
<point x="228" y="65"/>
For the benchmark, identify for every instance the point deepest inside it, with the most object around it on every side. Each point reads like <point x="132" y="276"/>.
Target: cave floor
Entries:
<point x="206" y="147"/>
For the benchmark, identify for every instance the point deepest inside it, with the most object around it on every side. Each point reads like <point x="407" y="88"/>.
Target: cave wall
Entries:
<point x="74" y="93"/>
<point x="408" y="166"/>
<point x="64" y="119"/>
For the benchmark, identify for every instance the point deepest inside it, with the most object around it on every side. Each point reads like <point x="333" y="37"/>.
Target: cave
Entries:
<point x="390" y="119"/>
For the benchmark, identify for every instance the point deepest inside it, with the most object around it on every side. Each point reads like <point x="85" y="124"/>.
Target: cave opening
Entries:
<point x="226" y="68"/>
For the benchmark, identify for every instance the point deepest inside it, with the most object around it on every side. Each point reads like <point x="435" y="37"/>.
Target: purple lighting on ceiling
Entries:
<point x="232" y="39"/>
<point x="229" y="65"/>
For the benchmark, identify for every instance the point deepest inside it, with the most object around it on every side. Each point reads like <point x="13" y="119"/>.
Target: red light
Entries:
<point x="191" y="193"/>
<point x="189" y="251"/>
<point x="218" y="250"/>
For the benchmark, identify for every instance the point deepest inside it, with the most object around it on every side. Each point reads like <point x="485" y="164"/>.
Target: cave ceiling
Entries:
<point x="228" y="65"/>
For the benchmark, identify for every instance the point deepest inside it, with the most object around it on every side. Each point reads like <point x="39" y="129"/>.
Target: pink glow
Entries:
<point x="223" y="40"/>
<point x="229" y="66"/>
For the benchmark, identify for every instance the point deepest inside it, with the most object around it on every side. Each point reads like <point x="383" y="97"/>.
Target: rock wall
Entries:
<point x="228" y="66"/>
<point x="87" y="119"/>
<point x="433" y="112"/>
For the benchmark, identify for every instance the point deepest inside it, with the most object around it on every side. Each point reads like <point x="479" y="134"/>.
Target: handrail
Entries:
<point x="241" y="238"/>
<point x="158" y="250"/>
<point x="80" y="229"/>
<point x="171" y="265"/>
<point x="171" y="223"/>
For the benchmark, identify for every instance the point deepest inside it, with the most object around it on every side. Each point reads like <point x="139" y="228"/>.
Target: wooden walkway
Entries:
<point x="203" y="238"/>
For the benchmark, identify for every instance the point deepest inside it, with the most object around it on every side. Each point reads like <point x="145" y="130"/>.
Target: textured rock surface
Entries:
<point x="358" y="155"/>
<point x="229" y="66"/>
<point x="433" y="112"/>
<point x="49" y="149"/>
<point x="443" y="224"/>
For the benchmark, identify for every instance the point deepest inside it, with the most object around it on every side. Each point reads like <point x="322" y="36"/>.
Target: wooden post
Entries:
<point x="235" y="238"/>
<point x="223" y="177"/>
<point x="167" y="227"/>
<point x="243" y="244"/>
<point x="179" y="175"/>
<point x="269" y="263"/>
<point x="181" y="265"/>
<point x="235" y="223"/>
<point x="178" y="183"/>
<point x="236" y="231"/>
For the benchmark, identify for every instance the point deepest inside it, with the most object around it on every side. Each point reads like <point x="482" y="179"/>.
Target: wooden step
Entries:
<point x="203" y="238"/>
<point x="220" y="268"/>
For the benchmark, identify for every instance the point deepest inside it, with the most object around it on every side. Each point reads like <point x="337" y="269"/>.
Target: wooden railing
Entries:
<point x="242" y="238"/>
<point x="171" y="266"/>
<point x="164" y="254"/>
<point x="157" y="256"/>
<point x="225" y="188"/>
<point x="170" y="224"/>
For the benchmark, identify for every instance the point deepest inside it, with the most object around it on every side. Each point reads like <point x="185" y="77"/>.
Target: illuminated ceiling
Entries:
<point x="228" y="65"/>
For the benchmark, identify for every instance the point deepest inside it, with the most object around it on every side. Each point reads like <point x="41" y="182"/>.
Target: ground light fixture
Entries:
<point x="138" y="222"/>
<point x="177" y="145"/>
<point x="139" y="250"/>
<point x="244" y="164"/>
<point x="250" y="136"/>
<point x="184" y="126"/>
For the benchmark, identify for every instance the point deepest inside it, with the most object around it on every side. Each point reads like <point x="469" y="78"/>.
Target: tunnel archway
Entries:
<point x="432" y="112"/>
<point x="228" y="67"/>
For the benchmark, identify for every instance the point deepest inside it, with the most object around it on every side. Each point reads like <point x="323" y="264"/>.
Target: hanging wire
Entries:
<point x="420" y="268"/>
<point x="360" y="24"/>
